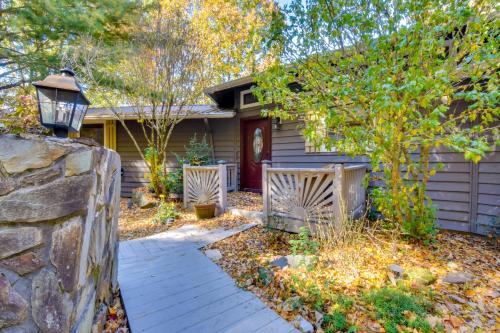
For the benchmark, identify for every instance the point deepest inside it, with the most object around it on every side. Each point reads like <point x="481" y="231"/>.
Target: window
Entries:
<point x="247" y="99"/>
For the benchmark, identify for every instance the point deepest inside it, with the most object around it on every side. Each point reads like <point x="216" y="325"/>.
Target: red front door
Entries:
<point x="256" y="147"/>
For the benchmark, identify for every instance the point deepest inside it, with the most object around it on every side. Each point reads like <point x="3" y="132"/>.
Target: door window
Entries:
<point x="258" y="144"/>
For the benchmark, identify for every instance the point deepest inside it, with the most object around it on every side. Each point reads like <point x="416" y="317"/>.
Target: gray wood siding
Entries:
<point x="488" y="194"/>
<point x="133" y="166"/>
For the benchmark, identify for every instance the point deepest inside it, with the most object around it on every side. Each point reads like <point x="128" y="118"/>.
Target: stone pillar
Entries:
<point x="59" y="205"/>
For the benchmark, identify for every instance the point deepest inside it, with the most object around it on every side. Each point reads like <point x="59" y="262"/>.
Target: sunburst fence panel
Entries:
<point x="205" y="184"/>
<point x="295" y="197"/>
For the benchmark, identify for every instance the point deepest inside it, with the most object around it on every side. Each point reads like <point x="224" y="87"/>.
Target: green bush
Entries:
<point x="155" y="170"/>
<point x="344" y="302"/>
<point x="197" y="153"/>
<point x="172" y="182"/>
<point x="398" y="307"/>
<point x="166" y="211"/>
<point x="420" y="220"/>
<point x="305" y="244"/>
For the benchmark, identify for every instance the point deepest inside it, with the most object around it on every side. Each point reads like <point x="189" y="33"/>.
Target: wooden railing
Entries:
<point x="355" y="189"/>
<point x="232" y="177"/>
<point x="205" y="184"/>
<point x="294" y="197"/>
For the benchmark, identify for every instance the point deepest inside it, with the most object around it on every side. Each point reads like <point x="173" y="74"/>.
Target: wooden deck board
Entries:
<point x="168" y="285"/>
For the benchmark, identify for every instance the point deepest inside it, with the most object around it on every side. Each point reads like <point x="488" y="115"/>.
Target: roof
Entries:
<point x="199" y="111"/>
<point x="221" y="93"/>
<point x="228" y="85"/>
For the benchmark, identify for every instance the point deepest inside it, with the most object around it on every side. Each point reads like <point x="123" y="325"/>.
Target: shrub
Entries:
<point x="197" y="153"/>
<point x="166" y="211"/>
<point x="344" y="302"/>
<point x="399" y="307"/>
<point x="420" y="221"/>
<point x="304" y="245"/>
<point x="172" y="182"/>
<point x="155" y="172"/>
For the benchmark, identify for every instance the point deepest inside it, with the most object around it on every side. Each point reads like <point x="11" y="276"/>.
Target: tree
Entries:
<point x="174" y="51"/>
<point x="34" y="33"/>
<point x="33" y="37"/>
<point x="231" y="36"/>
<point x="159" y="73"/>
<point x="386" y="79"/>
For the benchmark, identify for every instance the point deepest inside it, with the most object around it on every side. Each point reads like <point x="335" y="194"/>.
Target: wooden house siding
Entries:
<point x="225" y="142"/>
<point x="134" y="167"/>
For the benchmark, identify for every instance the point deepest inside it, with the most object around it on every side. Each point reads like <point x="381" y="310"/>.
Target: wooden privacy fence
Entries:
<point x="205" y="184"/>
<point x="295" y="197"/>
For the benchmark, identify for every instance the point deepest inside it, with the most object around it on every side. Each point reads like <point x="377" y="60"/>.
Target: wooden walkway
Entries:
<point x="168" y="285"/>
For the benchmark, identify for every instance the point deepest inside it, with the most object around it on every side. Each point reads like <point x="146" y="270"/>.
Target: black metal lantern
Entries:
<point x="276" y="123"/>
<point x="61" y="103"/>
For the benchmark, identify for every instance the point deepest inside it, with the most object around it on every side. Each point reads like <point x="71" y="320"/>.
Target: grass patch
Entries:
<point x="336" y="322"/>
<point x="396" y="306"/>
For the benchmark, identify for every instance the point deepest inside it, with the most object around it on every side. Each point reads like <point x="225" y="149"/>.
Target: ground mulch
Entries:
<point x="363" y="266"/>
<point x="245" y="200"/>
<point x="116" y="320"/>
<point x="135" y="222"/>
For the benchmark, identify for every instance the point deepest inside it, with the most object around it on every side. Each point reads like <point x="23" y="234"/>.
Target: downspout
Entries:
<point x="210" y="137"/>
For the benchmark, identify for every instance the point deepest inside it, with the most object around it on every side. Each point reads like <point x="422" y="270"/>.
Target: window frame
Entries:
<point x="250" y="105"/>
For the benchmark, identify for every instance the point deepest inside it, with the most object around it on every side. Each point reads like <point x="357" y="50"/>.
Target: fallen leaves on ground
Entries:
<point x="116" y="321"/>
<point x="135" y="222"/>
<point x="362" y="266"/>
<point x="245" y="200"/>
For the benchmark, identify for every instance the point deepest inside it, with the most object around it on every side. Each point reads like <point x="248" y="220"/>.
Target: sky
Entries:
<point x="281" y="3"/>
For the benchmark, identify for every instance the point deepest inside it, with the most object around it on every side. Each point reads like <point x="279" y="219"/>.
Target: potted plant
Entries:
<point x="203" y="208"/>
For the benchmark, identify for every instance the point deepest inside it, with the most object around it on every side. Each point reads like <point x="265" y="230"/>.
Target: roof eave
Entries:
<point x="228" y="85"/>
<point x="225" y="115"/>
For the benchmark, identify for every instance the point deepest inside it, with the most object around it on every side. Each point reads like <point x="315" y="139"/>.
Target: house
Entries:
<point x="467" y="194"/>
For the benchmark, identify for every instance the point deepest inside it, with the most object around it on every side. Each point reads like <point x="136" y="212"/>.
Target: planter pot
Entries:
<point x="204" y="211"/>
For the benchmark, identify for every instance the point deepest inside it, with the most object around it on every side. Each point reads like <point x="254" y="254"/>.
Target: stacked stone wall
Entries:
<point x="59" y="205"/>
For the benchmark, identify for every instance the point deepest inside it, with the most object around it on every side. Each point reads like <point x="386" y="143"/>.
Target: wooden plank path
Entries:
<point x="168" y="285"/>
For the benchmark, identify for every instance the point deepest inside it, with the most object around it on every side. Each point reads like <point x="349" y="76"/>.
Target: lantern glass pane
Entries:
<point x="65" y="103"/>
<point x="80" y="110"/>
<point x="47" y="100"/>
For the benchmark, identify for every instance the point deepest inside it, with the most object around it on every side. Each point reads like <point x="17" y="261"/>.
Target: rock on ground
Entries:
<point x="397" y="270"/>
<point x="143" y="200"/>
<point x="213" y="255"/>
<point x="303" y="325"/>
<point x="458" y="278"/>
<point x="421" y="276"/>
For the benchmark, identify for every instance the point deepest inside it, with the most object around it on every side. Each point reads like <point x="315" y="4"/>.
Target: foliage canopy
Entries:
<point x="393" y="80"/>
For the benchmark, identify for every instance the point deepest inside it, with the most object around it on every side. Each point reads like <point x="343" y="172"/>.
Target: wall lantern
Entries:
<point x="276" y="123"/>
<point x="61" y="103"/>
